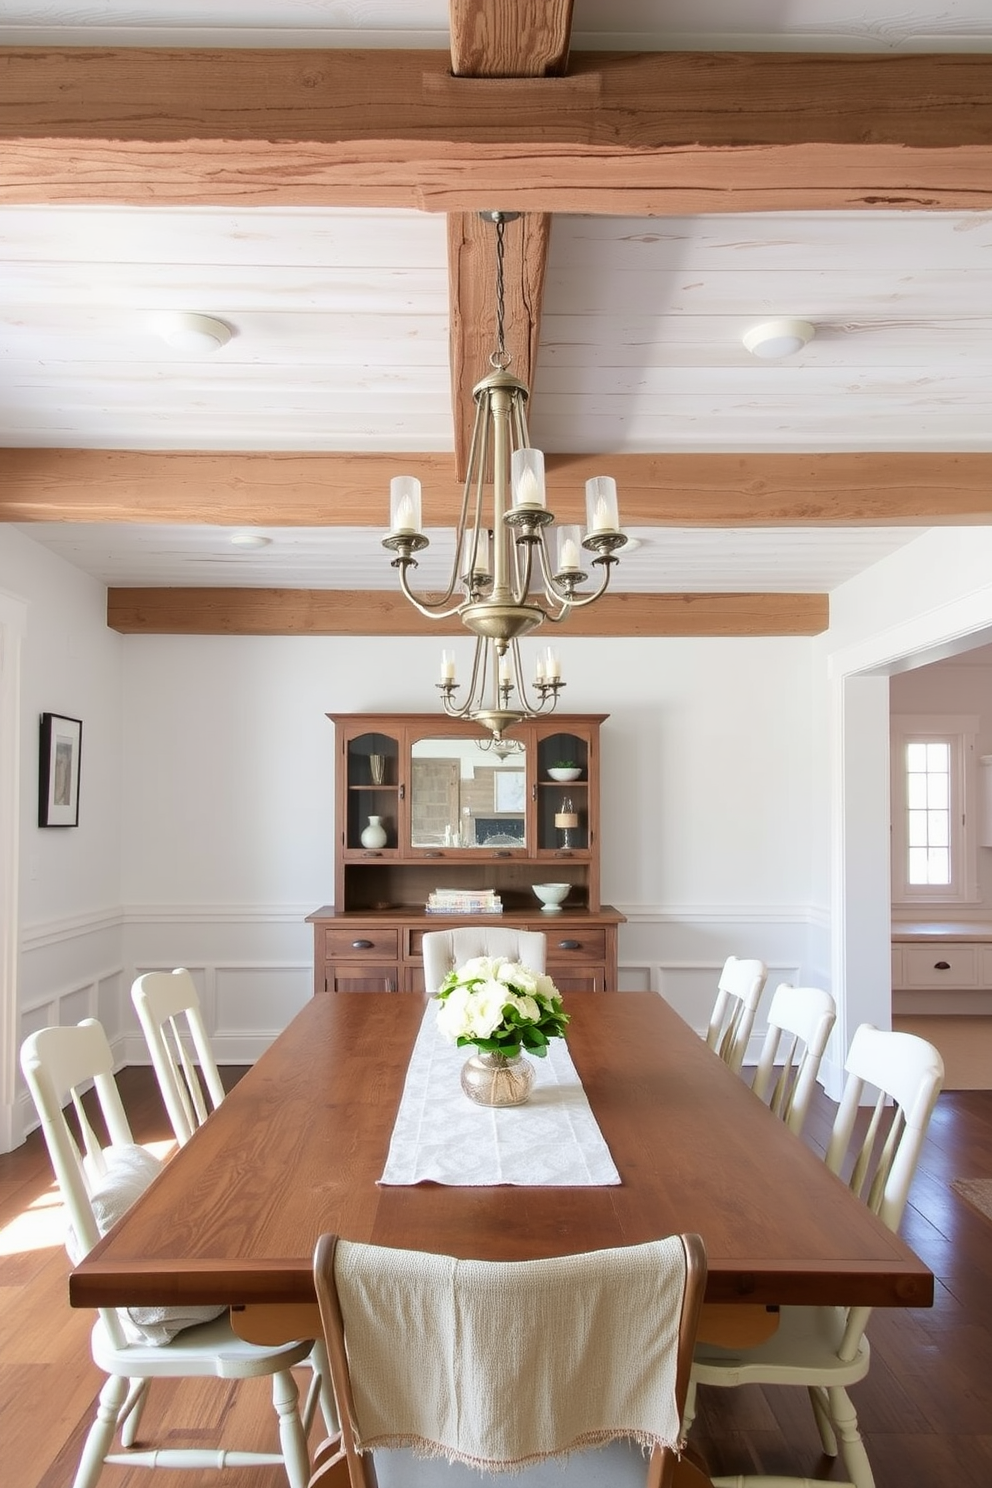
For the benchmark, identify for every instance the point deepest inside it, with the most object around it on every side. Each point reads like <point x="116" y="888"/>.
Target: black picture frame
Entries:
<point x="58" y="770"/>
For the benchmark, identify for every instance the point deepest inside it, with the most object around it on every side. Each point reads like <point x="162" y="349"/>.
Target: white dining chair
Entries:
<point x="739" y="990"/>
<point x="443" y="950"/>
<point x="493" y="1367"/>
<point x="800" y="1022"/>
<point x="134" y="1346"/>
<point x="168" y="1010"/>
<point x="824" y="1349"/>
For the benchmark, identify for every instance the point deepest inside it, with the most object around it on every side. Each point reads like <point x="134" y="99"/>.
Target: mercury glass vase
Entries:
<point x="497" y="1080"/>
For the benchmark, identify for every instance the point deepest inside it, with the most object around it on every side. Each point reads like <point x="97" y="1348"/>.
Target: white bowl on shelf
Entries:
<point x="560" y="772"/>
<point x="551" y="896"/>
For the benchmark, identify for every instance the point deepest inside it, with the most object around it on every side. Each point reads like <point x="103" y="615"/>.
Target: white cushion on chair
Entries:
<point x="130" y="1170"/>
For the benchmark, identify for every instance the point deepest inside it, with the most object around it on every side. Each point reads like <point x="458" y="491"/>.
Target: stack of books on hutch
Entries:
<point x="464" y="901"/>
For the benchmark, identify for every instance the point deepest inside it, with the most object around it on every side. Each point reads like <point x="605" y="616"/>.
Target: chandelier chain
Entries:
<point x="499" y="357"/>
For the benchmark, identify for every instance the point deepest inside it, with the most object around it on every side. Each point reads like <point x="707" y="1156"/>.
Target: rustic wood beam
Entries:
<point x="387" y="613"/>
<point x="643" y="135"/>
<point x="517" y="38"/>
<point x="471" y="269"/>
<point x="352" y="490"/>
<point x="520" y="38"/>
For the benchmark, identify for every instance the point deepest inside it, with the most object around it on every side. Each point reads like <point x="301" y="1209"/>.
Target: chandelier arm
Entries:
<point x="433" y="610"/>
<point x="523" y="570"/>
<point x="577" y="602"/>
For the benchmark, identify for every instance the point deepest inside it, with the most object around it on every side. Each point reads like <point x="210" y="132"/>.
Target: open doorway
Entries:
<point x="941" y="727"/>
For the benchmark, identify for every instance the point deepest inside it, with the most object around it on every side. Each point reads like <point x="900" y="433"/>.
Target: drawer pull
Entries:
<point x="371" y="854"/>
<point x="501" y="852"/>
<point x="564" y="852"/>
<point x="942" y="966"/>
<point x="570" y="945"/>
<point x="433" y="855"/>
<point x="361" y="945"/>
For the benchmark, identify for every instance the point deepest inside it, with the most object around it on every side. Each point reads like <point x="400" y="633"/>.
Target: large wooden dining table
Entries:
<point x="299" y="1144"/>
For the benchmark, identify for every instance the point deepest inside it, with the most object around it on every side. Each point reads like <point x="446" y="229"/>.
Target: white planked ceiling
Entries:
<point x="340" y="317"/>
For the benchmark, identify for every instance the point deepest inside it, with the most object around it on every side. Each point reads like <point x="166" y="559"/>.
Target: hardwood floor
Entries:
<point x="924" y="1408"/>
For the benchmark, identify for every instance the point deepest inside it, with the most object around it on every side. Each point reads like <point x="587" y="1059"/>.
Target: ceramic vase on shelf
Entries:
<point x="497" y="1079"/>
<point x="374" y="835"/>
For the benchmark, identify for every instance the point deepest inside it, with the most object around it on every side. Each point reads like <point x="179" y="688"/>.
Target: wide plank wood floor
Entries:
<point x="925" y="1408"/>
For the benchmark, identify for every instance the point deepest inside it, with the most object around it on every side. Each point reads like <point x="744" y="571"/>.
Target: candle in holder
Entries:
<point x="601" y="504"/>
<point x="569" y="543"/>
<point x="447" y="666"/>
<point x="404" y="504"/>
<point x="527" y="477"/>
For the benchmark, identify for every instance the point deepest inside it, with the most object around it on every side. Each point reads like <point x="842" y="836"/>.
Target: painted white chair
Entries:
<point x="824" y="1349"/>
<point x="134" y="1346"/>
<point x="800" y="1022"/>
<point x="493" y="1367"/>
<point x="739" y="990"/>
<point x="168" y="1010"/>
<point x="445" y="949"/>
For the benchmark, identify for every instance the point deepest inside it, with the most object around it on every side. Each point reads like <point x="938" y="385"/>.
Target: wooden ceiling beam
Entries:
<point x="649" y="134"/>
<point x="280" y="489"/>
<point x="518" y="38"/>
<point x="387" y="613"/>
<point x="472" y="309"/>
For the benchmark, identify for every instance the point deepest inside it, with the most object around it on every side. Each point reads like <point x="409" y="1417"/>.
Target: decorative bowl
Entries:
<point x="551" y="896"/>
<point x="563" y="772"/>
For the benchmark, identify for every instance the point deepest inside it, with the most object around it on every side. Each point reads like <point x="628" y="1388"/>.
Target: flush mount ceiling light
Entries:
<point x="778" y="338"/>
<point x="249" y="540"/>
<point x="198" y="334"/>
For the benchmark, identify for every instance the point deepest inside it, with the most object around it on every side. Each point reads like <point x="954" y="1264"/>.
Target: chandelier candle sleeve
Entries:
<point x="602" y="513"/>
<point x="404" y="504"/>
<point x="569" y="543"/>
<point x="527" y="476"/>
<point x="447" y="666"/>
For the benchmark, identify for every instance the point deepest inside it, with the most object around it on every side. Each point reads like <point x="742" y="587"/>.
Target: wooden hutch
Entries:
<point x="461" y="813"/>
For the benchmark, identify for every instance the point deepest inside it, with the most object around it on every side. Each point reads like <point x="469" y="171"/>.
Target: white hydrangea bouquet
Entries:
<point x="500" y="1006"/>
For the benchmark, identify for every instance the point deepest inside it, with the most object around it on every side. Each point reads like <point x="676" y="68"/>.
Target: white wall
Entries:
<point x="69" y="882"/>
<point x="228" y="803"/>
<point x="207" y="829"/>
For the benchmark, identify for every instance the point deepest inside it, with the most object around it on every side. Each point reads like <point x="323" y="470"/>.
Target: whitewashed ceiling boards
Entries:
<point x="311" y="179"/>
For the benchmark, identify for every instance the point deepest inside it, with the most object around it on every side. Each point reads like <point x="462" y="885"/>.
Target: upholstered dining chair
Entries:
<point x="445" y="949"/>
<point x="445" y="1369"/>
<point x="824" y="1349"/>
<point x="739" y="990"/>
<point x="800" y="1022"/>
<point x="134" y="1346"/>
<point x="168" y="1010"/>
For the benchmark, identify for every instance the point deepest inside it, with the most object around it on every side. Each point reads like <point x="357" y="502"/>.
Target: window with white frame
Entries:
<point x="933" y="844"/>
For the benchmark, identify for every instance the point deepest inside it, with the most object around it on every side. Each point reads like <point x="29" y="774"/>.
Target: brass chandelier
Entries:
<point x="503" y="545"/>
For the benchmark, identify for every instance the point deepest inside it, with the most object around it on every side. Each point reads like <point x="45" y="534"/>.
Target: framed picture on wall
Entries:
<point x="58" y="774"/>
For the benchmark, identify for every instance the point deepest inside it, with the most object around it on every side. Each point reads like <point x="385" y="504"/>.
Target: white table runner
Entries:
<point x="441" y="1136"/>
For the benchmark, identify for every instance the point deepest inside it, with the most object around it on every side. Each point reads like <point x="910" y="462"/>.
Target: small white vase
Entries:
<point x="374" y="835"/>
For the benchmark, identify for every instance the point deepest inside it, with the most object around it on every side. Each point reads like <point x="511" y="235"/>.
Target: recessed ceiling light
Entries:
<point x="249" y="540"/>
<point x="198" y="334"/>
<point x="778" y="338"/>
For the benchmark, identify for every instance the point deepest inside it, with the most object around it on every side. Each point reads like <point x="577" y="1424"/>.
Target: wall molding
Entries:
<point x="708" y="914"/>
<point x="51" y="932"/>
